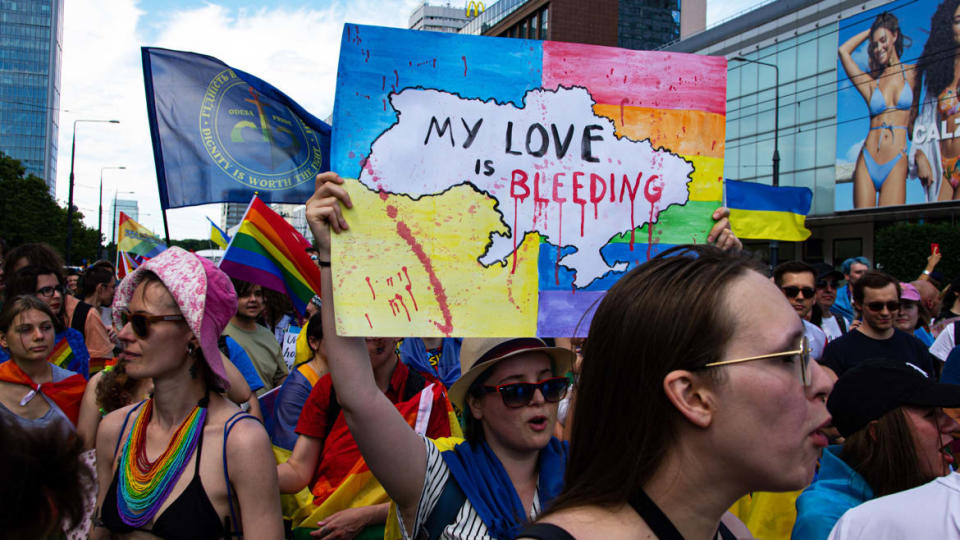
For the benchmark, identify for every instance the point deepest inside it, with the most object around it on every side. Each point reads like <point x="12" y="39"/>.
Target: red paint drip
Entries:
<point x="464" y="58"/>
<point x="367" y="315"/>
<point x="383" y="196"/>
<point x="623" y="102"/>
<point x="371" y="288"/>
<point x="396" y="79"/>
<point x="407" y="311"/>
<point x="392" y="211"/>
<point x="583" y="211"/>
<point x="514" y="269"/>
<point x="556" y="264"/>
<point x="652" y="192"/>
<point x="409" y="288"/>
<point x="447" y="327"/>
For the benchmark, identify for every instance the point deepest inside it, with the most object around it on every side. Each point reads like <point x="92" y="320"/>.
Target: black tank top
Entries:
<point x="658" y="522"/>
<point x="191" y="516"/>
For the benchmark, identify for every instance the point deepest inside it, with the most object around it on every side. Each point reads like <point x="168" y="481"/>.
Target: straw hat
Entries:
<point x="479" y="354"/>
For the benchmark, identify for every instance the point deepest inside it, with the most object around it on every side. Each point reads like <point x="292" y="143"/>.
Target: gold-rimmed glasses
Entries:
<point x="803" y="354"/>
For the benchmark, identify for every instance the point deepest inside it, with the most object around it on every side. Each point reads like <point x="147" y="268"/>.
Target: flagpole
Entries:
<point x="166" y="228"/>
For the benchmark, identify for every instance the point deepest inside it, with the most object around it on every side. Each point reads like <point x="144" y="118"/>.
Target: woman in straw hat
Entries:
<point x="182" y="464"/>
<point x="508" y="468"/>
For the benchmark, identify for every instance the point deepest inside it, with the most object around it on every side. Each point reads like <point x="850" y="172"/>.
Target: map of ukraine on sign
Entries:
<point x="502" y="185"/>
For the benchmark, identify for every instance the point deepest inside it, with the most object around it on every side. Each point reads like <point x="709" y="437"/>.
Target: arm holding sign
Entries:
<point x="383" y="436"/>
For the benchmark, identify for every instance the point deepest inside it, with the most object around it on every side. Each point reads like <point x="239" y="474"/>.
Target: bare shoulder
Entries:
<point x="113" y="421"/>
<point x="599" y="522"/>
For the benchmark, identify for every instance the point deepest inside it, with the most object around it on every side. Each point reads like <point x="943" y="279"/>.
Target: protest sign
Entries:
<point x="503" y="185"/>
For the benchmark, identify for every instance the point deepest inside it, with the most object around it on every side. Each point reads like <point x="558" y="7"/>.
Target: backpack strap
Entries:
<point x="415" y="383"/>
<point x="445" y="512"/>
<point x="724" y="533"/>
<point x="333" y="411"/>
<point x="79" y="320"/>
<point x="227" y="427"/>
<point x="842" y="323"/>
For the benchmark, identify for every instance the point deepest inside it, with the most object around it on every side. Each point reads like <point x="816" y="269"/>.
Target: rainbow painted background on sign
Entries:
<point x="419" y="258"/>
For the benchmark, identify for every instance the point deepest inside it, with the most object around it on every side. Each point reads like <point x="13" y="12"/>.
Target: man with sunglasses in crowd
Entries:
<point x="796" y="280"/>
<point x="876" y="295"/>
<point x="828" y="281"/>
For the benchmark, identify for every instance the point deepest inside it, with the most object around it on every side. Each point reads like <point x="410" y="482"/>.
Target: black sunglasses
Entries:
<point x="877" y="307"/>
<point x="516" y="395"/>
<point x="792" y="291"/>
<point x="47" y="292"/>
<point x="140" y="322"/>
<point x="827" y="284"/>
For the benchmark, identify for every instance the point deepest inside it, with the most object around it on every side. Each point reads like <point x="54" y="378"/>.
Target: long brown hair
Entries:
<point x="885" y="455"/>
<point x="667" y="314"/>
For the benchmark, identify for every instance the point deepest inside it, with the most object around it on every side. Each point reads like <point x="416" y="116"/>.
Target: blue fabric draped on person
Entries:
<point x="414" y="354"/>
<point x="481" y="476"/>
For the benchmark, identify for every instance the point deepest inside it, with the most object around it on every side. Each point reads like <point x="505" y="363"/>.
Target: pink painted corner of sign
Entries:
<point x="654" y="79"/>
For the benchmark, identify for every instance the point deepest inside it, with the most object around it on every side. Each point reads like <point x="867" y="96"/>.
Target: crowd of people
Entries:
<point x="711" y="398"/>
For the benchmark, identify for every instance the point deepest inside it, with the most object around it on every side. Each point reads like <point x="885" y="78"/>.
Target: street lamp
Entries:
<point x="73" y="152"/>
<point x="774" y="245"/>
<point x="100" y="214"/>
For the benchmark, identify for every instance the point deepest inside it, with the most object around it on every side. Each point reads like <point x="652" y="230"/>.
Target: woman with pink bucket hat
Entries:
<point x="183" y="463"/>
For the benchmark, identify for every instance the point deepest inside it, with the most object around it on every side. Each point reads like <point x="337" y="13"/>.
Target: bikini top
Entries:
<point x="191" y="515"/>
<point x="878" y="104"/>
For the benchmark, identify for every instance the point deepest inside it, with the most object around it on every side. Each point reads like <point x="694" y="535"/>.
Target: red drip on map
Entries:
<point x="514" y="269"/>
<point x="464" y="58"/>
<point x="556" y="264"/>
<point x="371" y="288"/>
<point x="392" y="211"/>
<point x="653" y="192"/>
<point x="367" y="315"/>
<point x="409" y="288"/>
<point x="404" y="231"/>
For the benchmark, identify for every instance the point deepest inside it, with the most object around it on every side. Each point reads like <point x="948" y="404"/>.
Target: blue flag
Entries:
<point x="220" y="134"/>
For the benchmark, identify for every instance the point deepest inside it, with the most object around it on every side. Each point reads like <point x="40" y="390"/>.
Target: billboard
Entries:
<point x="898" y="114"/>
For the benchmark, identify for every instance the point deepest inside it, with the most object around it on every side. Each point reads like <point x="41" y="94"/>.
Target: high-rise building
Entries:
<point x="129" y="207"/>
<point x="631" y="24"/>
<point x="443" y="18"/>
<point x="231" y="214"/>
<point x="31" y="37"/>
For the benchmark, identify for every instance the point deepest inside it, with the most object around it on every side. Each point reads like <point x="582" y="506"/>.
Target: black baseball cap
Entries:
<point x="876" y="387"/>
<point x="825" y="272"/>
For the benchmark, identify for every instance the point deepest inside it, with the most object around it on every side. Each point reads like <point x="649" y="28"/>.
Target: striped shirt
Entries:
<point x="468" y="524"/>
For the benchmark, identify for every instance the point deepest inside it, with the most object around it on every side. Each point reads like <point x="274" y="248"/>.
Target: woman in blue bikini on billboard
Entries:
<point x="888" y="90"/>
<point x="936" y="140"/>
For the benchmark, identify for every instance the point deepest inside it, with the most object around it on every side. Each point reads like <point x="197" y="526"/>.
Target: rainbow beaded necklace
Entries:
<point x="144" y="485"/>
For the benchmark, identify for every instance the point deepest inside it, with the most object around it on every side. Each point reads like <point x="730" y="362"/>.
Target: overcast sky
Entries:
<point x="293" y="44"/>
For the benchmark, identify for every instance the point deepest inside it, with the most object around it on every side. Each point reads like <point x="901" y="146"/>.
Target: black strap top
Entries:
<point x="190" y="516"/>
<point x="658" y="522"/>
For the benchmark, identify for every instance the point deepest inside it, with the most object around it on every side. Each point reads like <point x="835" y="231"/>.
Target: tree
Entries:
<point x="902" y="249"/>
<point x="30" y="214"/>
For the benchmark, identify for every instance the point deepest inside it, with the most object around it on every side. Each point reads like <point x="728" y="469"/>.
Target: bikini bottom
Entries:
<point x="879" y="172"/>
<point x="951" y="172"/>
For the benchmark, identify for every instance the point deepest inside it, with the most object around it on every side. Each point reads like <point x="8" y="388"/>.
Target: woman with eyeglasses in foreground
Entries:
<point x="896" y="437"/>
<point x="699" y="406"/>
<point x="184" y="463"/>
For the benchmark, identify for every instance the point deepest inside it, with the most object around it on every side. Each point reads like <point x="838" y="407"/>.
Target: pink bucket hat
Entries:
<point x="204" y="294"/>
<point x="909" y="292"/>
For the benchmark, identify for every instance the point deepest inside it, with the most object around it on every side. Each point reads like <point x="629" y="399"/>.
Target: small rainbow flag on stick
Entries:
<point x="268" y="251"/>
<point x="136" y="244"/>
<point x="62" y="354"/>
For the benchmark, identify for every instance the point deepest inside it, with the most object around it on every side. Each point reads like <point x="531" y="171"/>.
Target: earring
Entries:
<point x="191" y="349"/>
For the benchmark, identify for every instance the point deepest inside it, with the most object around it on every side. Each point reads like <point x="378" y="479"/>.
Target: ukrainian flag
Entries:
<point x="217" y="236"/>
<point x="762" y="212"/>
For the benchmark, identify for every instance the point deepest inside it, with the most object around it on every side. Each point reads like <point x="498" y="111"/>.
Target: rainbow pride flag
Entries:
<point x="268" y="251"/>
<point x="62" y="354"/>
<point x="136" y="244"/>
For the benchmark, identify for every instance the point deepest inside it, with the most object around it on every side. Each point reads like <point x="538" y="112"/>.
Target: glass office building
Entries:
<point x="823" y="120"/>
<point x="31" y="37"/>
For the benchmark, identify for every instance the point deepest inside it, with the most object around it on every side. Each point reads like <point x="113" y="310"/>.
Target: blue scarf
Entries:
<point x="414" y="354"/>
<point x="481" y="476"/>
